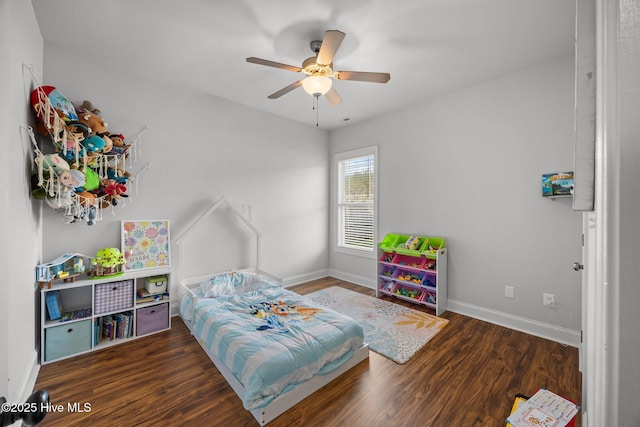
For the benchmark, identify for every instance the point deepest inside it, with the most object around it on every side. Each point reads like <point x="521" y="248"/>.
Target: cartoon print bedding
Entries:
<point x="272" y="339"/>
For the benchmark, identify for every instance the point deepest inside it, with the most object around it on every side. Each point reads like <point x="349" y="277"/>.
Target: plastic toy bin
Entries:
<point x="387" y="256"/>
<point x="387" y="270"/>
<point x="113" y="296"/>
<point x="430" y="265"/>
<point x="402" y="240"/>
<point x="386" y="285"/>
<point x="389" y="242"/>
<point x="408" y="291"/>
<point x="432" y="244"/>
<point x="156" y="284"/>
<point x="411" y="277"/>
<point x="429" y="297"/>
<point x="429" y="280"/>
<point x="409" y="261"/>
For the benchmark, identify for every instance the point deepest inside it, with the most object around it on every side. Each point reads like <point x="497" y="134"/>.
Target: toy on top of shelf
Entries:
<point x="66" y="267"/>
<point x="412" y="243"/>
<point x="108" y="262"/>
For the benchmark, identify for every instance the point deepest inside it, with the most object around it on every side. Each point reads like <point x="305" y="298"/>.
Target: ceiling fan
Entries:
<point x="319" y="70"/>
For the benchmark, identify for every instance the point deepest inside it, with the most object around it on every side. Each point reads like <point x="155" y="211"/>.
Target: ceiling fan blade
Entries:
<point x="285" y="90"/>
<point x="330" y="44"/>
<point x="333" y="97"/>
<point x="362" y="76"/>
<point x="259" y="61"/>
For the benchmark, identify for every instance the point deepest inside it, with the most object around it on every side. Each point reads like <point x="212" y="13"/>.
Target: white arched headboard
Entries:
<point x="222" y="201"/>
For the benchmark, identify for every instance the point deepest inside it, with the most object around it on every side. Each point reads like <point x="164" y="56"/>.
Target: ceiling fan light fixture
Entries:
<point x="316" y="85"/>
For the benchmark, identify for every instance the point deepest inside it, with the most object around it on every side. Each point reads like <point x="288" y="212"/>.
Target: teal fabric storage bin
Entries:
<point x="67" y="339"/>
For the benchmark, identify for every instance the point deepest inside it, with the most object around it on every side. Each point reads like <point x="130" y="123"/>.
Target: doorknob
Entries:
<point x="577" y="266"/>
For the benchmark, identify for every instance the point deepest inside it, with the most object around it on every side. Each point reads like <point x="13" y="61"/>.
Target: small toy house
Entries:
<point x="107" y="262"/>
<point x="66" y="267"/>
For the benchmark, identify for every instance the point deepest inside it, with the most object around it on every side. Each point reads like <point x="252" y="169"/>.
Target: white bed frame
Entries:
<point x="286" y="400"/>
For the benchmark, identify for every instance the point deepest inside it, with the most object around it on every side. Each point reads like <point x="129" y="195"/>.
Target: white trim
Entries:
<point x="601" y="379"/>
<point x="28" y="382"/>
<point x="532" y="327"/>
<point x="337" y="158"/>
<point x="358" y="280"/>
<point x="371" y="254"/>
<point x="302" y="278"/>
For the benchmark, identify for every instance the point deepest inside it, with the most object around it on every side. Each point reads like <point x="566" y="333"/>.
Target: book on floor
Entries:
<point x="543" y="409"/>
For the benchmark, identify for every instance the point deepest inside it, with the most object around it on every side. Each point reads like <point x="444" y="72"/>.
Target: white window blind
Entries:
<point x="356" y="202"/>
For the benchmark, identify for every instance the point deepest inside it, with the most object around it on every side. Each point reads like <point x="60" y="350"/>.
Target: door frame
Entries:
<point x="601" y="379"/>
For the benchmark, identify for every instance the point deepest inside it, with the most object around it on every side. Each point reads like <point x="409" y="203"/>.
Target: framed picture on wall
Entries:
<point x="145" y="244"/>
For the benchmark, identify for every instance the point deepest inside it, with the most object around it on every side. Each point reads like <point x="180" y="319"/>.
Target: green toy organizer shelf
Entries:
<point x="414" y="268"/>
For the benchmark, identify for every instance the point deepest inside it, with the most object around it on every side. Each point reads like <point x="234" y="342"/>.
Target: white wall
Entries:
<point x="467" y="166"/>
<point x="199" y="148"/>
<point x="20" y="43"/>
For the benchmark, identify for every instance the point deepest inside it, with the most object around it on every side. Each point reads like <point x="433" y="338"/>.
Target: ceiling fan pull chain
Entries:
<point x="316" y="106"/>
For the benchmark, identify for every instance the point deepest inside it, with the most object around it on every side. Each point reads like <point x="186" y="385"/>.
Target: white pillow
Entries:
<point x="231" y="284"/>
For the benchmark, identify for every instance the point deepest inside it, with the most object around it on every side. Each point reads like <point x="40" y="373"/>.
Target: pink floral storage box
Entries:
<point x="113" y="296"/>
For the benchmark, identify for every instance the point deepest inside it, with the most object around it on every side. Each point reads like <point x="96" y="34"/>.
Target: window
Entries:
<point x="356" y="201"/>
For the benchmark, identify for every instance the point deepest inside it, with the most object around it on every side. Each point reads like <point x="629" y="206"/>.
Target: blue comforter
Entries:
<point x="272" y="339"/>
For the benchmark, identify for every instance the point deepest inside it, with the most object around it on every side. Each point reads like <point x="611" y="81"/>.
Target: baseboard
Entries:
<point x="532" y="327"/>
<point x="302" y="278"/>
<point x="29" y="379"/>
<point x="358" y="280"/>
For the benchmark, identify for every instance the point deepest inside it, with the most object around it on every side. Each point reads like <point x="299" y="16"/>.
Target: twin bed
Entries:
<point x="273" y="346"/>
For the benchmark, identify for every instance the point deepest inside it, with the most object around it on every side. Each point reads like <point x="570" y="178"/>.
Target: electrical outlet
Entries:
<point x="509" y="292"/>
<point x="548" y="300"/>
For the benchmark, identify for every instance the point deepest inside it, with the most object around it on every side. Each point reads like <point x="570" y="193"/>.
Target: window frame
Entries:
<point x="339" y="158"/>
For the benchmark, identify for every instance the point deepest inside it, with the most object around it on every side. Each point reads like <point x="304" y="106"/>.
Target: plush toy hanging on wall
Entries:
<point x="87" y="172"/>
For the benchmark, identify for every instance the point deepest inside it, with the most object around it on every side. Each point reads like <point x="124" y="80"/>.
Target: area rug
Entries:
<point x="392" y="330"/>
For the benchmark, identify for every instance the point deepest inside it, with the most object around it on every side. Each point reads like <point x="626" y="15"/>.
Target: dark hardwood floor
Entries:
<point x="466" y="376"/>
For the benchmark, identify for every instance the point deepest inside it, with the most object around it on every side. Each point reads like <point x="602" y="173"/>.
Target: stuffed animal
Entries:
<point x="88" y="106"/>
<point x="44" y="95"/>
<point x="118" y="139"/>
<point x="93" y="144"/>
<point x="54" y="162"/>
<point x="113" y="189"/>
<point x="72" y="178"/>
<point x="86" y="198"/>
<point x="119" y="146"/>
<point x="108" y="143"/>
<point x="118" y="175"/>
<point x="95" y="122"/>
<point x="91" y="217"/>
<point x="92" y="181"/>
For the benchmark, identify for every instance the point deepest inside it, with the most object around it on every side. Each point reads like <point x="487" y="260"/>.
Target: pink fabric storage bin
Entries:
<point x="152" y="319"/>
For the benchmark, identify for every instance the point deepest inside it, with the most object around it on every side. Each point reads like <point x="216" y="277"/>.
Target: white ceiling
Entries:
<point x="428" y="46"/>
